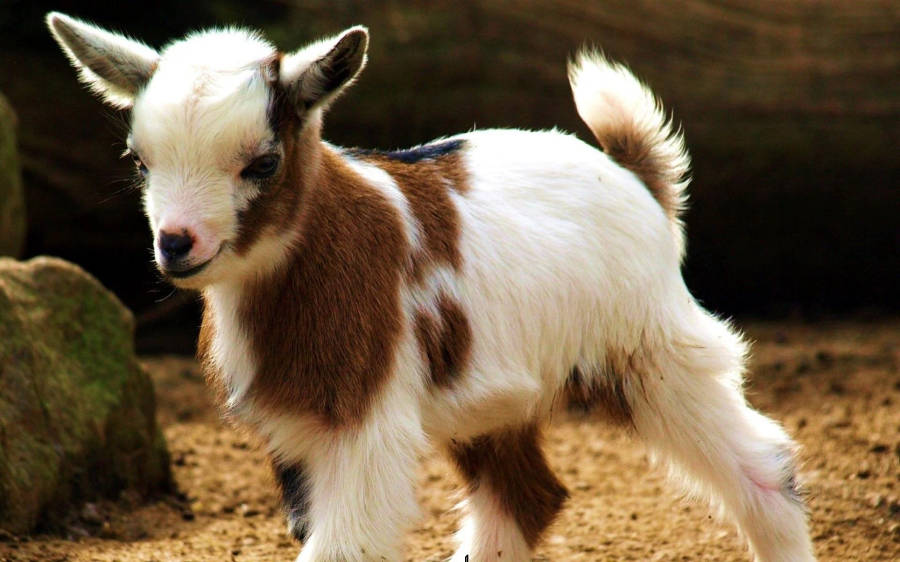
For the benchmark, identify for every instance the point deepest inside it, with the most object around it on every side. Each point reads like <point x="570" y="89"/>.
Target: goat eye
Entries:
<point x="261" y="168"/>
<point x="139" y="164"/>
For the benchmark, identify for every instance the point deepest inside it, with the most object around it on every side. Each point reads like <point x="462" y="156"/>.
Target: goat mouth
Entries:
<point x="193" y="270"/>
<point x="185" y="273"/>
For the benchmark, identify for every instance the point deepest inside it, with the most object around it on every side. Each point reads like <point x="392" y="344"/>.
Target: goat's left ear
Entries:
<point x="316" y="74"/>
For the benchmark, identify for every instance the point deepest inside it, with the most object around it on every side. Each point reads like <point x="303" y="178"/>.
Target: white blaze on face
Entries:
<point x="197" y="124"/>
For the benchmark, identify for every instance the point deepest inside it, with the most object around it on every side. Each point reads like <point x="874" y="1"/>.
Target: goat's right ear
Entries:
<point x="114" y="66"/>
<point x="316" y="74"/>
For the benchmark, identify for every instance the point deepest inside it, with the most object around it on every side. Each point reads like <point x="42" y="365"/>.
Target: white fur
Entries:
<point x="363" y="493"/>
<point x="487" y="532"/>
<point x="567" y="260"/>
<point x="230" y="349"/>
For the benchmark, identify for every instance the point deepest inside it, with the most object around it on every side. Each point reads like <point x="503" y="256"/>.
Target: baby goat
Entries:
<point x="361" y="304"/>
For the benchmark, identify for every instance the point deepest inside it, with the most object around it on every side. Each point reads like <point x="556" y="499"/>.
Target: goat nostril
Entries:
<point x="175" y="246"/>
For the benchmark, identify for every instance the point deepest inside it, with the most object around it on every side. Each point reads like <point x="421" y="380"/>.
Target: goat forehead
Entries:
<point x="208" y="92"/>
<point x="222" y="116"/>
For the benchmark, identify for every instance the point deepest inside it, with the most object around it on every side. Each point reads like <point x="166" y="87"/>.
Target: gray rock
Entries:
<point x="77" y="413"/>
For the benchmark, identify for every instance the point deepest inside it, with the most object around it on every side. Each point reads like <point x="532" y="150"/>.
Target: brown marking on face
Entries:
<point x="445" y="342"/>
<point x="426" y="184"/>
<point x="324" y="326"/>
<point x="278" y="203"/>
<point x="512" y="466"/>
<point x="603" y="393"/>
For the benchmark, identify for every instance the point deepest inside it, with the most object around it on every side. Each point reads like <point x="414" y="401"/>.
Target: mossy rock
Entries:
<point x="77" y="413"/>
<point x="12" y="199"/>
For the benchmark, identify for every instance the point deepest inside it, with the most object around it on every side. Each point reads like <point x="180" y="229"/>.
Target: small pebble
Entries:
<point x="90" y="514"/>
<point x="106" y="531"/>
<point x="823" y="356"/>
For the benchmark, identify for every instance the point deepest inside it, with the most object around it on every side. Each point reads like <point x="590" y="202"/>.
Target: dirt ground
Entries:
<point x="835" y="387"/>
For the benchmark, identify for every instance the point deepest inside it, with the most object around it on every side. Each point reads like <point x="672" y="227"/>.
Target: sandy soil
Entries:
<point x="836" y="388"/>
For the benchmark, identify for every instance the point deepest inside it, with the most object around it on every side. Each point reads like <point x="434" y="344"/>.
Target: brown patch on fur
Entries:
<point x="603" y="393"/>
<point x="513" y="468"/>
<point x="324" y="326"/>
<point x="426" y="185"/>
<point x="445" y="342"/>
<point x="632" y="150"/>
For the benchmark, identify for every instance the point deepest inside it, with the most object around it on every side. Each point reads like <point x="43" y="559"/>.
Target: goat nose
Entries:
<point x="175" y="246"/>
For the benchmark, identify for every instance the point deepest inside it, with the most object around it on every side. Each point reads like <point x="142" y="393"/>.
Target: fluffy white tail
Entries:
<point x="631" y="126"/>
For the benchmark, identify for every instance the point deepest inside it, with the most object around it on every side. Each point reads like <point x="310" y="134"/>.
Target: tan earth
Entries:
<point x="836" y="388"/>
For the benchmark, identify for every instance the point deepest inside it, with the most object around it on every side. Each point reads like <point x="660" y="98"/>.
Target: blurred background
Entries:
<point x="791" y="112"/>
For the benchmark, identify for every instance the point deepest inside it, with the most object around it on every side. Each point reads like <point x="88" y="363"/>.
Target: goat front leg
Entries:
<point x="361" y="484"/>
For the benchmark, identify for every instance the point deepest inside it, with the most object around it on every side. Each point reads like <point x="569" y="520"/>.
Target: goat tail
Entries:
<point x="631" y="127"/>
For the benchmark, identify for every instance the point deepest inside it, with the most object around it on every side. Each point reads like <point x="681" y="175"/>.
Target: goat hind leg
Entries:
<point x="691" y="411"/>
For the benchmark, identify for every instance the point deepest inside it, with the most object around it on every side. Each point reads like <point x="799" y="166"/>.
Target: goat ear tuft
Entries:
<point x="315" y="75"/>
<point x="114" y="66"/>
